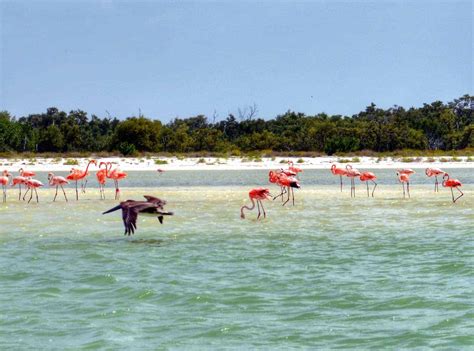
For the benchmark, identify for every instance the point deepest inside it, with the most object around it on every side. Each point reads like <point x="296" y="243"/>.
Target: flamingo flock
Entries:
<point x="287" y="180"/>
<point x="25" y="178"/>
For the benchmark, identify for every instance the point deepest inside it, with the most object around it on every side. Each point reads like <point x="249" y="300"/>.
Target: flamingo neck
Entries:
<point x="87" y="168"/>
<point x="246" y="207"/>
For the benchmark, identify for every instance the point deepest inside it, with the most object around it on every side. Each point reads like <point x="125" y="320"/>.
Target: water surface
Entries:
<point x="330" y="272"/>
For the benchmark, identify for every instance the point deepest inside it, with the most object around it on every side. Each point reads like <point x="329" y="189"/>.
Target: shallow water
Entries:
<point x="330" y="272"/>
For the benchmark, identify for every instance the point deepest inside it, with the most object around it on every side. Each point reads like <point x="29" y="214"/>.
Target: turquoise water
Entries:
<point x="330" y="272"/>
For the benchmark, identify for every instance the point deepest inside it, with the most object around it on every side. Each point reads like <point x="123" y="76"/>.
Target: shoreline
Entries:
<point x="233" y="163"/>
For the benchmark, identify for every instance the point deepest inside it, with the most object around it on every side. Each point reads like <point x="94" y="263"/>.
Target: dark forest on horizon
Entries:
<point x="434" y="126"/>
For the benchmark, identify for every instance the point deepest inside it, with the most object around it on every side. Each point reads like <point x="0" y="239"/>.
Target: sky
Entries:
<point x="176" y="58"/>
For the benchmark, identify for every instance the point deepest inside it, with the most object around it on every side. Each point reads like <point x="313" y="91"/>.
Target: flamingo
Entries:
<point x="77" y="174"/>
<point x="338" y="171"/>
<point x="4" y="180"/>
<point x="365" y="177"/>
<point x="352" y="173"/>
<point x="257" y="194"/>
<point x="286" y="183"/>
<point x="19" y="180"/>
<point x="404" y="178"/>
<point x="26" y="174"/>
<point x="294" y="169"/>
<point x="435" y="172"/>
<point x="160" y="171"/>
<point x="452" y="183"/>
<point x="116" y="174"/>
<point x="131" y="209"/>
<point x="408" y="171"/>
<point x="33" y="184"/>
<point x="57" y="181"/>
<point x="101" y="176"/>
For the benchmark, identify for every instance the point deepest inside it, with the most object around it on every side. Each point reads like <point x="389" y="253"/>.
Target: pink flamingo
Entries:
<point x="338" y="171"/>
<point x="116" y="174"/>
<point x="352" y="173"/>
<point x="404" y="178"/>
<point x="25" y="173"/>
<point x="19" y="180"/>
<point x="365" y="177"/>
<point x="435" y="172"/>
<point x="286" y="183"/>
<point x="77" y="175"/>
<point x="4" y="180"/>
<point x="33" y="184"/>
<point x="101" y="176"/>
<point x="160" y="171"/>
<point x="294" y="169"/>
<point x="452" y="183"/>
<point x="57" y="181"/>
<point x="257" y="194"/>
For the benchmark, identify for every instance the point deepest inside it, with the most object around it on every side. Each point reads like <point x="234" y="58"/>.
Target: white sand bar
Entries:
<point x="233" y="163"/>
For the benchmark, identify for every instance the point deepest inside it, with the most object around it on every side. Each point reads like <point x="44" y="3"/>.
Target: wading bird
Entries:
<point x="76" y="175"/>
<point x="19" y="180"/>
<point x="338" y="171"/>
<point x="352" y="173"/>
<point x="116" y="174"/>
<point x="101" y="176"/>
<point x="4" y="180"/>
<point x="32" y="185"/>
<point x="256" y="195"/>
<point x="404" y="178"/>
<point x="452" y="183"/>
<point x="131" y="209"/>
<point x="365" y="177"/>
<point x="57" y="181"/>
<point x="286" y="183"/>
<point x="292" y="168"/>
<point x="434" y="172"/>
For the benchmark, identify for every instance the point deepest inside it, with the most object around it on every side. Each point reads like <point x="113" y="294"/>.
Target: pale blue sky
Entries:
<point x="177" y="58"/>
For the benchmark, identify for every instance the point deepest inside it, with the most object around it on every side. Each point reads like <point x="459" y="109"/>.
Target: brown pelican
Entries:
<point x="131" y="209"/>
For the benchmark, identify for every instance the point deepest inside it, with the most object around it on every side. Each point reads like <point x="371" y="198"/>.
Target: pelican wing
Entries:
<point x="155" y="200"/>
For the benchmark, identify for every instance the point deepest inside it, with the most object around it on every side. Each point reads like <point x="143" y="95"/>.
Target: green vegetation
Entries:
<point x="161" y="162"/>
<point x="432" y="130"/>
<point x="71" y="162"/>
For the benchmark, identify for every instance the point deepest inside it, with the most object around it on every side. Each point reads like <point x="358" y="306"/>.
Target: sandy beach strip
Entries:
<point x="233" y="163"/>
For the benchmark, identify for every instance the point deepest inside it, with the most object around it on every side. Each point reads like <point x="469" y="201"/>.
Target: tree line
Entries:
<point x="438" y="125"/>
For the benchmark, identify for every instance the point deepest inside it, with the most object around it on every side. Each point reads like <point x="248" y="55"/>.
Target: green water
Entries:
<point x="330" y="272"/>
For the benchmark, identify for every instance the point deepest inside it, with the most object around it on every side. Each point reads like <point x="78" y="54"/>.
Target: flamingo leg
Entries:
<point x="436" y="184"/>
<point x="403" y="187"/>
<point x="367" y="182"/>
<point x="258" y="208"/>
<point x="375" y="185"/>
<point x="288" y="198"/>
<point x="36" y="192"/>
<point x="4" y="193"/>
<point x="293" y="195"/>
<point x="26" y="192"/>
<point x="459" y="195"/>
<point x="64" y="193"/>
<point x="77" y="193"/>
<point x="341" y="182"/>
<point x="263" y="209"/>
<point x="83" y="186"/>
<point x="19" y="195"/>
<point x="55" y="195"/>
<point x="31" y="195"/>
<point x="408" y="189"/>
<point x="283" y="191"/>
